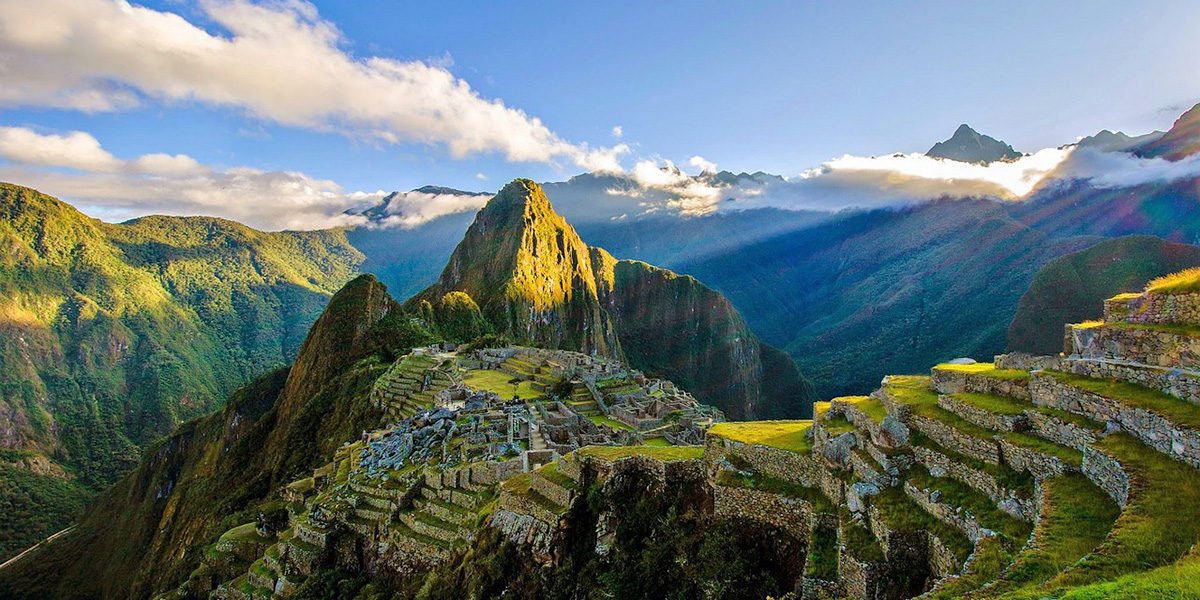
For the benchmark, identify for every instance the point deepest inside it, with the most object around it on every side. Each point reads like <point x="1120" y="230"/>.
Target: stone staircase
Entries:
<point x="583" y="402"/>
<point x="411" y="385"/>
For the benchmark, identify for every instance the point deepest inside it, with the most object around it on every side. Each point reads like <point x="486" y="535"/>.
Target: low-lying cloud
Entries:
<point x="75" y="166"/>
<point x="277" y="61"/>
<point x="410" y="209"/>
<point x="892" y="180"/>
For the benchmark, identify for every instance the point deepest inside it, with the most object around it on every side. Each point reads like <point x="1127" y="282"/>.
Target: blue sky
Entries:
<point x="779" y="87"/>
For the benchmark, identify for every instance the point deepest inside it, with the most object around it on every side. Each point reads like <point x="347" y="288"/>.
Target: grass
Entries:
<point x="1005" y="476"/>
<point x="1171" y="328"/>
<point x="657" y="442"/>
<point x="493" y="380"/>
<point x="1183" y="282"/>
<point x="764" y="483"/>
<point x="961" y="495"/>
<point x="869" y="406"/>
<point x="986" y="370"/>
<point x="1175" y="409"/>
<point x="1159" y="525"/>
<point x="991" y="557"/>
<point x="1076" y="516"/>
<point x="1179" y="580"/>
<point x="609" y="421"/>
<point x="901" y="513"/>
<point x="550" y="472"/>
<point x="837" y="425"/>
<point x="993" y="403"/>
<point x="247" y="533"/>
<point x="670" y="453"/>
<point x="860" y="542"/>
<point x="1067" y="455"/>
<point x="785" y="435"/>
<point x="822" y="559"/>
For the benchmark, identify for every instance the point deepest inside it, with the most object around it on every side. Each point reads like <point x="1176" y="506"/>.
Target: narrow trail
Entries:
<point x="35" y="546"/>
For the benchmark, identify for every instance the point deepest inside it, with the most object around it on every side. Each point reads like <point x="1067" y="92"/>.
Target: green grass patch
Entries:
<point x="1171" y="328"/>
<point x="669" y="453"/>
<point x="550" y="472"/>
<point x="499" y="382"/>
<point x="986" y="370"/>
<point x="956" y="493"/>
<point x="657" y="442"/>
<point x="859" y="542"/>
<point x="785" y="435"/>
<point x="822" y="559"/>
<point x="247" y="534"/>
<point x="993" y="403"/>
<point x="610" y="422"/>
<point x="1159" y="525"/>
<point x="867" y="405"/>
<point x="1177" y="410"/>
<point x="901" y="513"/>
<point x="991" y="557"/>
<point x="1076" y="517"/>
<point x="836" y="425"/>
<point x="1069" y="456"/>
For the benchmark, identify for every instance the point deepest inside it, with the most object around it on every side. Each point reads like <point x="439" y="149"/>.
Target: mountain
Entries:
<point x="1180" y="141"/>
<point x="885" y="291"/>
<point x="1107" y="141"/>
<point x="536" y="281"/>
<point x="968" y="145"/>
<point x="217" y="467"/>
<point x="113" y="334"/>
<point x="1072" y="288"/>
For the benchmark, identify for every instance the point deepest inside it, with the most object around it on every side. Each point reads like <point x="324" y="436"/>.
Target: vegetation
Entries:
<point x="1072" y="288"/>
<point x="1186" y="281"/>
<point x="869" y="406"/>
<point x="964" y="497"/>
<point x="1174" y="409"/>
<point x="1075" y="518"/>
<point x="986" y="370"/>
<point x="34" y="506"/>
<point x="793" y="436"/>
<point x="765" y="483"/>
<point x="499" y="382"/>
<point x="663" y="453"/>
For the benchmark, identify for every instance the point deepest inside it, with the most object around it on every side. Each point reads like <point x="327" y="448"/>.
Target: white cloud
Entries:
<point x="75" y="166"/>
<point x="278" y="61"/>
<point x="481" y="177"/>
<point x="705" y="166"/>
<point x="688" y="194"/>
<point x="409" y="209"/>
<point x="618" y="132"/>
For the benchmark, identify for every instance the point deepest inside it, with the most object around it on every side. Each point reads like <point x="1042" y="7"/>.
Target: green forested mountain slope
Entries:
<point x="1072" y="288"/>
<point x="113" y="334"/>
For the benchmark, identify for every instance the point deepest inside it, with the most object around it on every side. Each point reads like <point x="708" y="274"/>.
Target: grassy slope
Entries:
<point x="1072" y="288"/>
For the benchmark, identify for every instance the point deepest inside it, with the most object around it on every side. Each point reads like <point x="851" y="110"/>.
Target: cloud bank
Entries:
<point x="75" y="165"/>
<point x="410" y="209"/>
<point x="892" y="180"/>
<point x="277" y="61"/>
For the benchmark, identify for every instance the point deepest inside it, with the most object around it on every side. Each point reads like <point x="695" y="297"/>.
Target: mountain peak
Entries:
<point x="1182" y="140"/>
<point x="968" y="145"/>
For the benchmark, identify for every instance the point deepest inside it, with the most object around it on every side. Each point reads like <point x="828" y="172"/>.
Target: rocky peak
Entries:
<point x="968" y="145"/>
<point x="1182" y="140"/>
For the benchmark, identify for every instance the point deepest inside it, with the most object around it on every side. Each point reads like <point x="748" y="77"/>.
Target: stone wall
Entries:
<point x="859" y="579"/>
<point x="1108" y="474"/>
<point x="1023" y="361"/>
<point x="980" y="417"/>
<point x="1181" y="384"/>
<point x="527" y="531"/>
<point x="800" y="469"/>
<point x="1059" y="431"/>
<point x="1154" y="308"/>
<point x="945" y="513"/>
<point x="949" y="381"/>
<point x="789" y="514"/>
<point x="939" y="465"/>
<point x="1145" y="346"/>
<point x="1177" y="441"/>
<point x="953" y="439"/>
<point x="1040" y="464"/>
